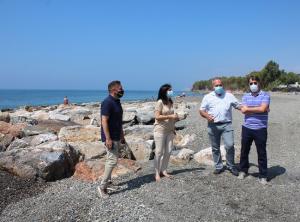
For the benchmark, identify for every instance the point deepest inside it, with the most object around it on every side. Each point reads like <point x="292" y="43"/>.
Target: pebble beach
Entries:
<point x="195" y="194"/>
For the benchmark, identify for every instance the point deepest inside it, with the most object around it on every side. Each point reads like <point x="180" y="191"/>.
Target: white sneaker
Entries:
<point x="263" y="181"/>
<point x="242" y="175"/>
<point x="113" y="188"/>
<point x="102" y="192"/>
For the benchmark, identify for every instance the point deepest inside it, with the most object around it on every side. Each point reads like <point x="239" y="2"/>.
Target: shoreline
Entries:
<point x="201" y="94"/>
<point x="90" y="103"/>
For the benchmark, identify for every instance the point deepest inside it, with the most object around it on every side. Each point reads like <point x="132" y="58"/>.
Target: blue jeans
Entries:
<point x="215" y="132"/>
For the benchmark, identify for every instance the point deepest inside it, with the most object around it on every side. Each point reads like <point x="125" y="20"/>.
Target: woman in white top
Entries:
<point x="164" y="130"/>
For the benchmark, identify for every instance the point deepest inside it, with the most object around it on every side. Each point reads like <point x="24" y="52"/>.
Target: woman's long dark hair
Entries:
<point x="162" y="94"/>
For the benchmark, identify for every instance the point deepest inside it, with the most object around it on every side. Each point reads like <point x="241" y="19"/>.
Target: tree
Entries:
<point x="271" y="77"/>
<point x="270" y="73"/>
<point x="289" y="78"/>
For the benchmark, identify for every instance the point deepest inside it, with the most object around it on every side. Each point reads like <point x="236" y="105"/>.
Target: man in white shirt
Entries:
<point x="216" y="107"/>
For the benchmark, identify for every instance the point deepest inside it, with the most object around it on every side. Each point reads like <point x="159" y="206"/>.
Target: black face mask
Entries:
<point x="120" y="93"/>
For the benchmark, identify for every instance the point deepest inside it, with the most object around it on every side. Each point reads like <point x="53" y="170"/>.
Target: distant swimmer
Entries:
<point x="66" y="101"/>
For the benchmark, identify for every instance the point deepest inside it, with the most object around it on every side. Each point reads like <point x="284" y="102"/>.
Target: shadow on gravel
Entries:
<point x="175" y="172"/>
<point x="136" y="183"/>
<point x="273" y="171"/>
<point x="180" y="127"/>
<point x="149" y="178"/>
<point x="13" y="189"/>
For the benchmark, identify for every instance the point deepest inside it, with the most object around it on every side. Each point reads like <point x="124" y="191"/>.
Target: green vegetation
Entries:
<point x="271" y="78"/>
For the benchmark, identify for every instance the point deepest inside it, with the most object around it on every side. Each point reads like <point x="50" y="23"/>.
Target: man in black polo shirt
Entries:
<point x="111" y="131"/>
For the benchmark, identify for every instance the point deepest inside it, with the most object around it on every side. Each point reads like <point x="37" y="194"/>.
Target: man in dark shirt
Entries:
<point x="111" y="131"/>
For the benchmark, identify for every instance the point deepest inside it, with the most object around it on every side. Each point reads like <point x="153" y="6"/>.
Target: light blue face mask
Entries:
<point x="170" y="93"/>
<point x="219" y="90"/>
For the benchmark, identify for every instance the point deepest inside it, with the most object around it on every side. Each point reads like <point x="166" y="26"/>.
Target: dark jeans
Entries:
<point x="260" y="139"/>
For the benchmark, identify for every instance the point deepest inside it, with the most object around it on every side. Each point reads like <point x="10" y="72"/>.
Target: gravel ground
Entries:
<point x="14" y="189"/>
<point x="195" y="194"/>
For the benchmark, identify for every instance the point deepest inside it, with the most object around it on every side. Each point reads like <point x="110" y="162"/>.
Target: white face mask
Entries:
<point x="254" y="88"/>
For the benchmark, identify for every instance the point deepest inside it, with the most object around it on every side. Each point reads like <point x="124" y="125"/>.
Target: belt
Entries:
<point x="220" y="123"/>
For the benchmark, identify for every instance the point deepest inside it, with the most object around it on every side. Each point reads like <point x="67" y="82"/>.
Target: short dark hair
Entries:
<point x="255" y="78"/>
<point x="113" y="84"/>
<point x="162" y="94"/>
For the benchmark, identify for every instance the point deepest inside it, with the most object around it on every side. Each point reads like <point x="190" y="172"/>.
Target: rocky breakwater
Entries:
<point x="30" y="144"/>
<point x="55" y="142"/>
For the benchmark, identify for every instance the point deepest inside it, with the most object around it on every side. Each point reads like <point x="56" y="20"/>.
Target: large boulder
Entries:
<point x="57" y="116"/>
<point x="92" y="170"/>
<point x="129" y="117"/>
<point x="181" y="141"/>
<point x="72" y="113"/>
<point x="5" y="141"/>
<point x="131" y="107"/>
<point x="141" y="149"/>
<point x="23" y="119"/>
<point x="4" y="116"/>
<point x="43" y="138"/>
<point x="21" y="113"/>
<point x="95" y="122"/>
<point x="140" y="131"/>
<point x="89" y="150"/>
<point x="79" y="114"/>
<point x="204" y="156"/>
<point x="18" y="144"/>
<point x="125" y="152"/>
<point x="35" y="130"/>
<point x="145" y="115"/>
<point x="40" y="115"/>
<point x="22" y="116"/>
<point x="91" y="105"/>
<point x="49" y="161"/>
<point x="46" y="126"/>
<point x="14" y="130"/>
<point x="182" y="156"/>
<point x="140" y="141"/>
<point x="192" y="104"/>
<point x="80" y="134"/>
<point x="181" y="109"/>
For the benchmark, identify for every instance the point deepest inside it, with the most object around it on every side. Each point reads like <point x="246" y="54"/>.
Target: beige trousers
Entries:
<point x="111" y="162"/>
<point x="163" y="149"/>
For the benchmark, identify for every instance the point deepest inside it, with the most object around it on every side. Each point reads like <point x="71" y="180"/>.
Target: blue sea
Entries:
<point x="18" y="98"/>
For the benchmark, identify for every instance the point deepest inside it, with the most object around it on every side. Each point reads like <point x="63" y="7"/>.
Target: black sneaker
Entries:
<point x="218" y="171"/>
<point x="234" y="171"/>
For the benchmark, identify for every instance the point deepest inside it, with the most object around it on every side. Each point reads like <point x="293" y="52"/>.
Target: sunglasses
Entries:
<point x="252" y="83"/>
<point x="218" y="85"/>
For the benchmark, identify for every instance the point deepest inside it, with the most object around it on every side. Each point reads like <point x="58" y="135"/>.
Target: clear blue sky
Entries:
<point x="69" y="44"/>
